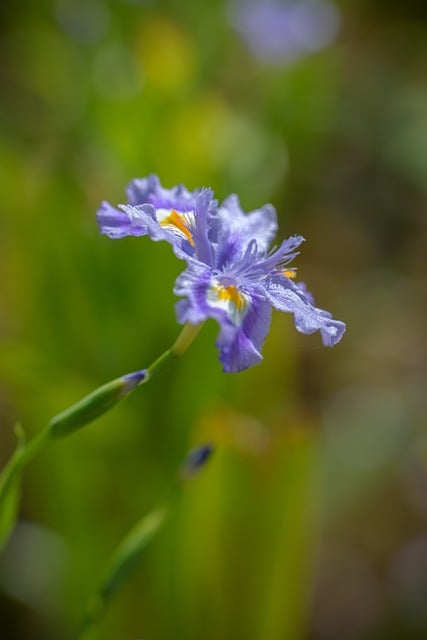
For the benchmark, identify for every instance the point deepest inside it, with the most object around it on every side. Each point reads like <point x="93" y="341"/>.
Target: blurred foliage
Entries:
<point x="310" y="520"/>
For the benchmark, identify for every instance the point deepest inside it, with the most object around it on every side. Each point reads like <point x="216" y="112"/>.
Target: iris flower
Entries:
<point x="232" y="274"/>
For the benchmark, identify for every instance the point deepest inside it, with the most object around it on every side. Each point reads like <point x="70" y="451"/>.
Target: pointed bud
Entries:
<point x="95" y="404"/>
<point x="196" y="459"/>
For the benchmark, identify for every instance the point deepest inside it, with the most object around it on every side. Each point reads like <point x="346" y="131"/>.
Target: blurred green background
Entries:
<point x="310" y="522"/>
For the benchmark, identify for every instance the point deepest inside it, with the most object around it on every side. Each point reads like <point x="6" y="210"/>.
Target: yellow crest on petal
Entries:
<point x="177" y="220"/>
<point x="229" y="298"/>
<point x="232" y="294"/>
<point x="289" y="273"/>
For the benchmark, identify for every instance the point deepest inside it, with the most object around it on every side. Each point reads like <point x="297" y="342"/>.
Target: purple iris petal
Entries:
<point x="150" y="191"/>
<point x="240" y="347"/>
<point x="117" y="224"/>
<point x="235" y="229"/>
<point x="303" y="287"/>
<point x="139" y="190"/>
<point x="259" y="225"/>
<point x="286" y="296"/>
<point x="278" y="258"/>
<point x="203" y="209"/>
<point x="147" y="214"/>
<point x="174" y="215"/>
<point x="192" y="284"/>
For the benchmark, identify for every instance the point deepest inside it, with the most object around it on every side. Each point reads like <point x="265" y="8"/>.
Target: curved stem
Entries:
<point x="179" y="347"/>
<point x="20" y="458"/>
<point x="90" y="408"/>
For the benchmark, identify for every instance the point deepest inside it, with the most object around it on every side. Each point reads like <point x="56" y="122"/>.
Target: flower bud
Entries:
<point x="95" y="404"/>
<point x="196" y="459"/>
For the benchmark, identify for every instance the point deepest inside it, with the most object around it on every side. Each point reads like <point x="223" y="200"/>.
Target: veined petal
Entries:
<point x="163" y="225"/>
<point x="278" y="258"/>
<point x="285" y="295"/>
<point x="118" y="224"/>
<point x="139" y="190"/>
<point x="183" y="224"/>
<point x="175" y="215"/>
<point x="236" y="229"/>
<point x="192" y="284"/>
<point x="243" y="313"/>
<point x="205" y="211"/>
<point x="259" y="225"/>
<point x="150" y="191"/>
<point x="240" y="347"/>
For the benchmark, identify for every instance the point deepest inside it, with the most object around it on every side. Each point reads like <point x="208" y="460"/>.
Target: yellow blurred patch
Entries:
<point x="228" y="428"/>
<point x="166" y="54"/>
<point x="231" y="429"/>
<point x="198" y="131"/>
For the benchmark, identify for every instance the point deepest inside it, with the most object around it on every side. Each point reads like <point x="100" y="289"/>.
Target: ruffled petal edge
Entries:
<point x="285" y="295"/>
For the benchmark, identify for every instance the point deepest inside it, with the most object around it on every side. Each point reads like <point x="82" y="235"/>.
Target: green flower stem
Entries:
<point x="88" y="409"/>
<point x="127" y="554"/>
<point x="179" y="347"/>
<point x="185" y="338"/>
<point x="22" y="456"/>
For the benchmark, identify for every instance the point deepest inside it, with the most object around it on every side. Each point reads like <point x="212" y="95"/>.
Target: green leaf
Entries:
<point x="128" y="553"/>
<point x="122" y="563"/>
<point x="10" y="489"/>
<point x="9" y="510"/>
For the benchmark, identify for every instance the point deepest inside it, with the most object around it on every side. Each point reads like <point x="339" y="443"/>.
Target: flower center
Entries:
<point x="225" y="296"/>
<point x="231" y="294"/>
